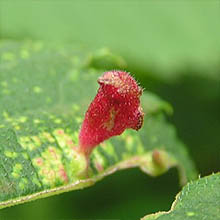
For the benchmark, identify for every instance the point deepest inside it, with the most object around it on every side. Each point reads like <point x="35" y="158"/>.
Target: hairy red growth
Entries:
<point x="115" y="108"/>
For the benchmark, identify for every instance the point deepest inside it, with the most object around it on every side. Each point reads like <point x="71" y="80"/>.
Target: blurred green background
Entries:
<point x="173" y="49"/>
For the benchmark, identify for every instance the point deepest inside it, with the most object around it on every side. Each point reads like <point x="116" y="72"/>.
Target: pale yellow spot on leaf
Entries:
<point x="190" y="213"/>
<point x="31" y="146"/>
<point x="75" y="107"/>
<point x="36" y="121"/>
<point x="10" y="154"/>
<point x="27" y="143"/>
<point x="37" y="89"/>
<point x="22" y="119"/>
<point x="18" y="166"/>
<point x="25" y="54"/>
<point x="17" y="127"/>
<point x="16" y="170"/>
<point x="36" y="140"/>
<point x="6" y="116"/>
<point x="78" y="119"/>
<point x="15" y="175"/>
<point x="58" y="121"/>
<point x="47" y="136"/>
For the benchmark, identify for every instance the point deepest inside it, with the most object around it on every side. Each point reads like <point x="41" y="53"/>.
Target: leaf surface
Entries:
<point x="44" y="93"/>
<point x="197" y="200"/>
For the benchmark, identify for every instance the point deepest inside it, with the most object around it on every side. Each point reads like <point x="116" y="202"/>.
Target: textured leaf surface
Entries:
<point x="198" y="200"/>
<point x="44" y="93"/>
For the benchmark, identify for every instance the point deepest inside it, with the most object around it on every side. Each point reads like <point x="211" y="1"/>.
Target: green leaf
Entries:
<point x="163" y="36"/>
<point x="44" y="92"/>
<point x="199" y="199"/>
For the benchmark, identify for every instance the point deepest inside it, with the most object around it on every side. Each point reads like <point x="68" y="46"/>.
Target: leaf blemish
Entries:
<point x="115" y="108"/>
<point x="190" y="213"/>
<point x="50" y="167"/>
<point x="37" y="89"/>
<point x="10" y="154"/>
<point x="17" y="170"/>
